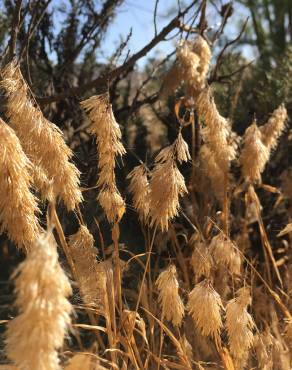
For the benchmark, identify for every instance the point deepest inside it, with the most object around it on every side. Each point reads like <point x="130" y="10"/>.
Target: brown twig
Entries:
<point x="221" y="54"/>
<point x="14" y="29"/>
<point x="227" y="13"/>
<point x="228" y="76"/>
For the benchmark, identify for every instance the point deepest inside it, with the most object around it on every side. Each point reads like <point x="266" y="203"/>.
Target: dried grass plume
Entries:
<point x="169" y="300"/>
<point x="205" y="307"/>
<point x="41" y="286"/>
<point x="42" y="141"/>
<point x="109" y="146"/>
<point x="139" y="188"/>
<point x="18" y="206"/>
<point x="239" y="325"/>
<point x="201" y="259"/>
<point x="167" y="183"/>
<point x="90" y="274"/>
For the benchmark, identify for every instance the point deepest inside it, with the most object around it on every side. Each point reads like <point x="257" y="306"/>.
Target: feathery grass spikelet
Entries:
<point x="188" y="61"/>
<point x="169" y="300"/>
<point x="262" y="344"/>
<point x="109" y="146"/>
<point x="139" y="188"/>
<point x="225" y="254"/>
<point x="42" y="288"/>
<point x="217" y="132"/>
<point x="112" y="203"/>
<point x="205" y="307"/>
<point x="239" y="325"/>
<point x="201" y="47"/>
<point x="84" y="361"/>
<point x="54" y="175"/>
<point x="201" y="259"/>
<point x="275" y="126"/>
<point x="167" y="183"/>
<point x="194" y="61"/>
<point x="258" y="143"/>
<point x="90" y="274"/>
<point x="254" y="155"/>
<point x="18" y="206"/>
<point x="181" y="149"/>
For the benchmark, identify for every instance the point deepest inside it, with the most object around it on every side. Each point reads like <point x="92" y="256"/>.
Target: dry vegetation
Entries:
<point x="212" y="303"/>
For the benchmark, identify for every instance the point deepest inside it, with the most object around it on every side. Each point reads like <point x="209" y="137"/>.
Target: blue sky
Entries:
<point x="138" y="15"/>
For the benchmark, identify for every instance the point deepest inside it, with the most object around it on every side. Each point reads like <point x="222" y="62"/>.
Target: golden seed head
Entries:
<point x="90" y="275"/>
<point x="42" y="141"/>
<point x="254" y="155"/>
<point x="201" y="259"/>
<point x="239" y="324"/>
<point x="205" y="308"/>
<point x="139" y="188"/>
<point x="167" y="184"/>
<point x="169" y="300"/>
<point x="194" y="61"/>
<point x="275" y="126"/>
<point x="217" y="132"/>
<point x="109" y="146"/>
<point x="41" y="288"/>
<point x="18" y="206"/>
<point x="225" y="254"/>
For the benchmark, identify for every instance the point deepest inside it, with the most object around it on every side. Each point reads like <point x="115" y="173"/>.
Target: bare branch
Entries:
<point x="14" y="29"/>
<point x="221" y="54"/>
<point x="105" y="78"/>
<point x="130" y="109"/>
<point x="228" y="76"/>
<point x="34" y="23"/>
<point x="154" y="17"/>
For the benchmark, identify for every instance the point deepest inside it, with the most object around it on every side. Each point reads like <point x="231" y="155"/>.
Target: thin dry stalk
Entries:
<point x="185" y="363"/>
<point x="253" y="198"/>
